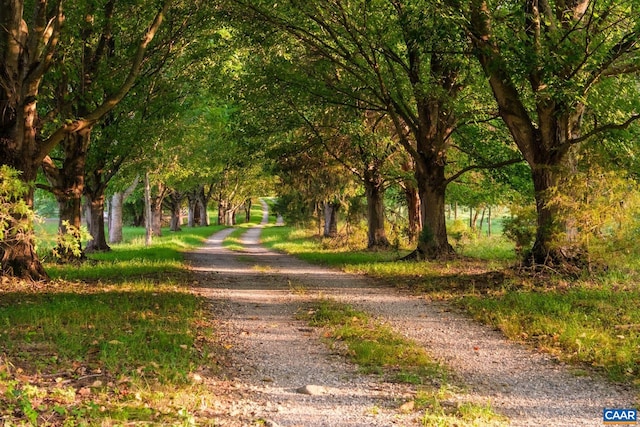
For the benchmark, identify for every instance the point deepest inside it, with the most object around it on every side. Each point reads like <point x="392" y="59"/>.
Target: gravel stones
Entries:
<point x="257" y="309"/>
<point x="312" y="390"/>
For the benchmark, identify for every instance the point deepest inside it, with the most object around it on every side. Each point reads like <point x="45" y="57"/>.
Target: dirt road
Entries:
<point x="283" y="375"/>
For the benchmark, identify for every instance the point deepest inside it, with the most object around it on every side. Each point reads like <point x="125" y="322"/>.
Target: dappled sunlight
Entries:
<point x="266" y="289"/>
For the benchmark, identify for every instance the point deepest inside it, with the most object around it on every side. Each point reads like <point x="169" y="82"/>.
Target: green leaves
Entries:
<point x="15" y="215"/>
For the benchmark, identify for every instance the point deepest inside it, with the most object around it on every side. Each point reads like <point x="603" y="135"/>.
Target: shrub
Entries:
<point x="16" y="216"/>
<point x="520" y="227"/>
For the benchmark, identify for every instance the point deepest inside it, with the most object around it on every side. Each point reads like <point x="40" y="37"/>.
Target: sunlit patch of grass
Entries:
<point x="376" y="348"/>
<point x="233" y="241"/>
<point x="114" y="271"/>
<point x="304" y="245"/>
<point x="596" y="326"/>
<point x="495" y="247"/>
<point x="443" y="407"/>
<point x="132" y="260"/>
<point x="103" y="345"/>
<point x="118" y="339"/>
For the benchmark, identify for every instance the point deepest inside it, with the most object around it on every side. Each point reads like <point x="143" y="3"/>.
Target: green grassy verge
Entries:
<point x="376" y="348"/>
<point x="591" y="322"/>
<point x="119" y="340"/>
<point x="588" y="326"/>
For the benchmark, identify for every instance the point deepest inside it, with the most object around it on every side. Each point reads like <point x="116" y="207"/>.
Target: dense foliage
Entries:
<point x="386" y="114"/>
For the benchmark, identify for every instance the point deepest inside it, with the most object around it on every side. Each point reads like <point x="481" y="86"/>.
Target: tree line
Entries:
<point x="449" y="87"/>
<point x="204" y="102"/>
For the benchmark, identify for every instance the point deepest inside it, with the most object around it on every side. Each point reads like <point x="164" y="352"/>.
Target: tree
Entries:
<point x="550" y="66"/>
<point x="104" y="47"/>
<point x="363" y="144"/>
<point x="403" y="58"/>
<point x="29" y="46"/>
<point x="115" y="211"/>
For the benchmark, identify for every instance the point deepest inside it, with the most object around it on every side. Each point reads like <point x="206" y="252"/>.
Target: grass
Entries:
<point x="376" y="348"/>
<point x="583" y="325"/>
<point x="592" y="322"/>
<point x="304" y="245"/>
<point x="133" y="260"/>
<point x="117" y="340"/>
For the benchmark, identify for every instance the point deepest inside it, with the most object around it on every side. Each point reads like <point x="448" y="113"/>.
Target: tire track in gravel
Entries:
<point x="274" y="354"/>
<point x="252" y="291"/>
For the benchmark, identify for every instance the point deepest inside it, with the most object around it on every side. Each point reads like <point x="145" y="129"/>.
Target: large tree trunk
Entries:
<point x="555" y="243"/>
<point x="433" y="242"/>
<point x="95" y="222"/>
<point x="331" y="219"/>
<point x="67" y="184"/>
<point x="17" y="256"/>
<point x="20" y="260"/>
<point x="376" y="234"/>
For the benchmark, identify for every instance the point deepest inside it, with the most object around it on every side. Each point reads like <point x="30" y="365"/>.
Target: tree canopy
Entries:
<point x="405" y="104"/>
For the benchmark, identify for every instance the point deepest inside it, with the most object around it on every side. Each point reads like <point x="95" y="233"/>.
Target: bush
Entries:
<point x="520" y="227"/>
<point x="461" y="234"/>
<point x="16" y="217"/>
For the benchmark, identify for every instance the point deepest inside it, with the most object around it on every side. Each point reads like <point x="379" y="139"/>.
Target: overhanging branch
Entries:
<point x="610" y="126"/>
<point x="476" y="167"/>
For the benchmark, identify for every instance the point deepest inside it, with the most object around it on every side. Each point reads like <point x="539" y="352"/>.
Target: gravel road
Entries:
<point x="281" y="374"/>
